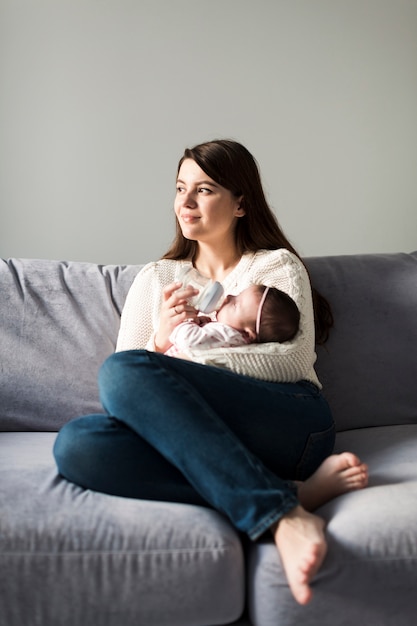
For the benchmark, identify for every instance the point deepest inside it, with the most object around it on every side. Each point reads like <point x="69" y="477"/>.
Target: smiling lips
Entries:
<point x="189" y="218"/>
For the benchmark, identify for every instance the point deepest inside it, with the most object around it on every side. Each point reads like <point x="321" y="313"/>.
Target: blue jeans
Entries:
<point x="183" y="432"/>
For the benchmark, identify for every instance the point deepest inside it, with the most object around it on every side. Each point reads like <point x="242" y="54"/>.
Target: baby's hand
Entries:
<point x="202" y="320"/>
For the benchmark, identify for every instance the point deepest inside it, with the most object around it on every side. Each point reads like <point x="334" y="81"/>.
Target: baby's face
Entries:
<point x="240" y="311"/>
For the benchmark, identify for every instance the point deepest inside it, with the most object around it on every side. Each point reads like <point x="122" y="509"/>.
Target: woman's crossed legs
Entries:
<point x="197" y="434"/>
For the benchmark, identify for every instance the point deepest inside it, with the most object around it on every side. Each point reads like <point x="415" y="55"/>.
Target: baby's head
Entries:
<point x="261" y="314"/>
<point x="278" y="316"/>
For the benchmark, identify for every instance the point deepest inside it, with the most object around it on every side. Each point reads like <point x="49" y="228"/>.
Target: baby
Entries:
<point x="257" y="314"/>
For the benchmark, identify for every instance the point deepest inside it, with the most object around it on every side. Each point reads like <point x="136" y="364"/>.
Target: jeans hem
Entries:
<point x="273" y="517"/>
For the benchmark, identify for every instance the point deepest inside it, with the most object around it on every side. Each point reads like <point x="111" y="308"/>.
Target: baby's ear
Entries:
<point x="249" y="334"/>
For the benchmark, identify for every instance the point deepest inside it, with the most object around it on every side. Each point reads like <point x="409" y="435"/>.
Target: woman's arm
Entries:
<point x="154" y="307"/>
<point x="140" y="310"/>
<point x="287" y="362"/>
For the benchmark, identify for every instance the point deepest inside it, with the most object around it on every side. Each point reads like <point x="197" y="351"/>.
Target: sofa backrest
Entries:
<point x="368" y="367"/>
<point x="59" y="321"/>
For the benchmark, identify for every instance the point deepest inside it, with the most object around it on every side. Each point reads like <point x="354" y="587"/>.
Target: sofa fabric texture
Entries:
<point x="59" y="321"/>
<point x="73" y="557"/>
<point x="369" y="367"/>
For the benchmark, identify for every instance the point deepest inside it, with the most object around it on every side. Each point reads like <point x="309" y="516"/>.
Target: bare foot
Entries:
<point x="299" y="537"/>
<point x="338" y="474"/>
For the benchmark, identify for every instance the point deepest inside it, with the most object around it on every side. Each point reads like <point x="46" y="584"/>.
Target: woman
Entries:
<point x="238" y="428"/>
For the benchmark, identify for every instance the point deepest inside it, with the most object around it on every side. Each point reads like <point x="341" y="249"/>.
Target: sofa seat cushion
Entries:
<point x="68" y="554"/>
<point x="371" y="566"/>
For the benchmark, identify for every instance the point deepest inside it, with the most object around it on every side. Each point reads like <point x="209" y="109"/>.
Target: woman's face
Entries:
<point x="205" y="210"/>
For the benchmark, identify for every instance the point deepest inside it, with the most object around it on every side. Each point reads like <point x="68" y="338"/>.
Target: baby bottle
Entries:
<point x="210" y="291"/>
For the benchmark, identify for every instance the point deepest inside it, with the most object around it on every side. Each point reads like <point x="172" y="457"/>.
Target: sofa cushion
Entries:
<point x="58" y="322"/>
<point x="369" y="575"/>
<point x="72" y="556"/>
<point x="368" y="367"/>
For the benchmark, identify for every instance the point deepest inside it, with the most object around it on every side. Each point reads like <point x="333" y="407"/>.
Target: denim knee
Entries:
<point x="64" y="449"/>
<point x="110" y="368"/>
<point x="115" y="365"/>
<point x="113" y="376"/>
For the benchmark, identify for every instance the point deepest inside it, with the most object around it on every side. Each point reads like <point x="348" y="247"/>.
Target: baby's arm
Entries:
<point x="211" y="335"/>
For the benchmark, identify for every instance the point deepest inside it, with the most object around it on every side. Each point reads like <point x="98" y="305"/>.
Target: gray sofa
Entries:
<point x="72" y="557"/>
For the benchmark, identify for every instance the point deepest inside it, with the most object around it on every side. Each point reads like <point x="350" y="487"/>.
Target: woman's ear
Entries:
<point x="240" y="211"/>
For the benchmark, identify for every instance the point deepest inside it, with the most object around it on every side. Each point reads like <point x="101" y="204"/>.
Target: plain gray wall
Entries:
<point x="100" y="97"/>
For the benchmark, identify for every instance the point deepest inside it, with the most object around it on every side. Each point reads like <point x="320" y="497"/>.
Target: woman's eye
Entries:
<point x="204" y="190"/>
<point x="180" y="189"/>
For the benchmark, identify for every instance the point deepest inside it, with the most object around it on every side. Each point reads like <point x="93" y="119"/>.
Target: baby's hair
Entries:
<point x="280" y="317"/>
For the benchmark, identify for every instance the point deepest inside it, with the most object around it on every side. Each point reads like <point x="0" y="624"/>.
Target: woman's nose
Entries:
<point x="189" y="200"/>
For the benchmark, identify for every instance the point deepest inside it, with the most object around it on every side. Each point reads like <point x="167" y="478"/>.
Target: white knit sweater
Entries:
<point x="276" y="362"/>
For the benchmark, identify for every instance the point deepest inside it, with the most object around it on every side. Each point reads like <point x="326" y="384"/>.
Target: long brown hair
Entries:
<point x="232" y="166"/>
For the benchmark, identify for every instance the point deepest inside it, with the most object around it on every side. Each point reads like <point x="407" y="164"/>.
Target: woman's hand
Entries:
<point x="174" y="310"/>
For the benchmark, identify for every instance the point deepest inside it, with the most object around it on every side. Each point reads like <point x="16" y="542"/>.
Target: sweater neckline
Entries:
<point x="239" y="269"/>
<point x="231" y="278"/>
